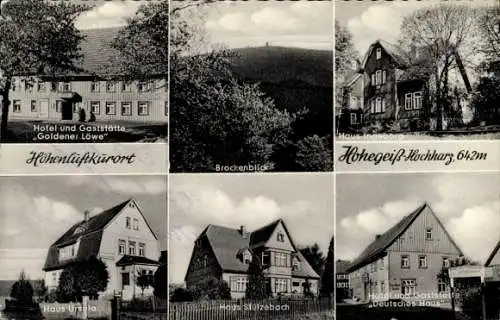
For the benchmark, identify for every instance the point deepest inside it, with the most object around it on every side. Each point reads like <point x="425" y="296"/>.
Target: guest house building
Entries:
<point x="97" y="89"/>
<point x="120" y="236"/>
<point x="226" y="253"/>
<point x="404" y="262"/>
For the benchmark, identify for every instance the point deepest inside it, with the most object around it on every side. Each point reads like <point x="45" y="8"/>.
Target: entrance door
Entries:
<point x="44" y="109"/>
<point x="67" y="110"/>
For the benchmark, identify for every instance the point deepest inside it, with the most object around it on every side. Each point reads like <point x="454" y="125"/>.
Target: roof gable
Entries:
<point x="494" y="258"/>
<point x="378" y="247"/>
<point x="227" y="243"/>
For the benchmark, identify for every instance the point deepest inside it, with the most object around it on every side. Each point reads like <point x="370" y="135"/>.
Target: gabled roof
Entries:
<point x="89" y="237"/>
<point x="492" y="255"/>
<point x="397" y="53"/>
<point x="97" y="51"/>
<point x="378" y="247"/>
<point x="226" y="243"/>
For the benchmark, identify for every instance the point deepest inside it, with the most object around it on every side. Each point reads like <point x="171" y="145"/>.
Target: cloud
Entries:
<point x="147" y="185"/>
<point x="477" y="230"/>
<point x="13" y="261"/>
<point x="109" y="14"/>
<point x="275" y="19"/>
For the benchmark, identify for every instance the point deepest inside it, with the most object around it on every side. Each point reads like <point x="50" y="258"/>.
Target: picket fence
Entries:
<point x="247" y="310"/>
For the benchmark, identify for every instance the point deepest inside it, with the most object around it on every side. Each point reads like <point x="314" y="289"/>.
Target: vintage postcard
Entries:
<point x="82" y="79"/>
<point x="417" y="70"/>
<point x="82" y="246"/>
<point x="418" y="244"/>
<point x="251" y="86"/>
<point x="251" y="246"/>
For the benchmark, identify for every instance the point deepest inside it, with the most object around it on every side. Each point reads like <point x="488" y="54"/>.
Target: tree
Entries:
<point x="257" y="286"/>
<point x="40" y="289"/>
<point x="161" y="278"/>
<point x="211" y="288"/>
<point x="345" y="52"/>
<point x="82" y="278"/>
<point x="143" y="280"/>
<point x="445" y="32"/>
<point x="22" y="290"/>
<point x="314" y="154"/>
<point x="315" y="257"/>
<point x="327" y="278"/>
<point x="489" y="29"/>
<point x="37" y="38"/>
<point x="181" y="295"/>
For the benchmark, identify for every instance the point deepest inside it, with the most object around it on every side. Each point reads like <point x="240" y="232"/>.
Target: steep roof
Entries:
<point x="492" y="255"/>
<point x="377" y="248"/>
<point x="227" y="242"/>
<point x="97" y="51"/>
<point x="89" y="237"/>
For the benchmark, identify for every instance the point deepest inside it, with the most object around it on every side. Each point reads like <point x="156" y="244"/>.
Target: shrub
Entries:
<point x="22" y="290"/>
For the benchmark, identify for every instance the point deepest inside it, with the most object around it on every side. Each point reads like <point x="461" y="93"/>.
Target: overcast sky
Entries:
<point x="468" y="204"/>
<point x="304" y="24"/>
<point x="371" y="20"/>
<point x="35" y="211"/>
<point x="304" y="201"/>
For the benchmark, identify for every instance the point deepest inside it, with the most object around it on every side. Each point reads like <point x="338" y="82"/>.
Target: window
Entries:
<point x="28" y="86"/>
<point x="14" y="85"/>
<point x="417" y="100"/>
<point x="382" y="286"/>
<point x="280" y="285"/>
<point x="266" y="258"/>
<point x="239" y="284"/>
<point x="143" y="108"/>
<point x="378" y="106"/>
<point x="384" y="76"/>
<point x="126" y="109"/>
<point x="16" y="106"/>
<point x="53" y="86"/>
<point x="295" y="263"/>
<point x="166" y="108"/>
<point x="205" y="261"/>
<point x="353" y="118"/>
<point x="405" y="262"/>
<point x="136" y="224"/>
<point x="95" y="107"/>
<point x="408" y="101"/>
<point x="280" y="259"/>
<point x="296" y="284"/>
<point x="65" y="86"/>
<point x="442" y="286"/>
<point x="372" y="106"/>
<point x="54" y="276"/>
<point x="127" y="222"/>
<point x="446" y="262"/>
<point x="33" y="106"/>
<point x="383" y="108"/>
<point x="125" y="279"/>
<point x="378" y="80"/>
<point x="280" y="237"/>
<point x="373" y="79"/>
<point x="408" y="287"/>
<point x="382" y="264"/>
<point x="131" y="248"/>
<point x="95" y="86"/>
<point x="379" y="53"/>
<point x="142" y="250"/>
<point x="126" y="86"/>
<point x="110" y="86"/>
<point x="111" y="108"/>
<point x="40" y="86"/>
<point x="422" y="262"/>
<point x="361" y="116"/>
<point x="428" y="234"/>
<point x="145" y="86"/>
<point x="121" y="246"/>
<point x="247" y="258"/>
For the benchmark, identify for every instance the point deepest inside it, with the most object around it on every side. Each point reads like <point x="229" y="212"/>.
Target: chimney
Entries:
<point x="86" y="215"/>
<point x="243" y="231"/>
<point x="377" y="236"/>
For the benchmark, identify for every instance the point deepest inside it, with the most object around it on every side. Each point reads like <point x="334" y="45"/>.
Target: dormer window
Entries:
<point x="80" y="229"/>
<point x="379" y="53"/>
<point x="280" y="237"/>
<point x="247" y="258"/>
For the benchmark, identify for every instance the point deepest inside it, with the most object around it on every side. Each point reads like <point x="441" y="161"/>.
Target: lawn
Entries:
<point x="23" y="131"/>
